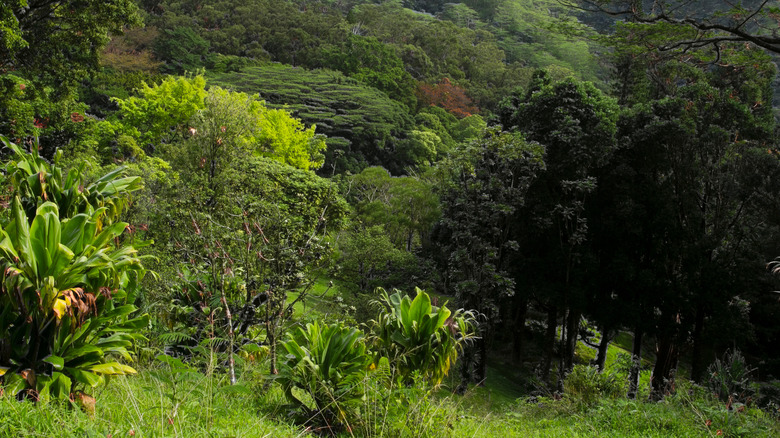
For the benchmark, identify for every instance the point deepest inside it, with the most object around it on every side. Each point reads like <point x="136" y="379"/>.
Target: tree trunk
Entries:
<point x="271" y="352"/>
<point x="231" y="337"/>
<point x="572" y="335"/>
<point x="466" y="363"/>
<point x="606" y="337"/>
<point x="696" y="359"/>
<point x="519" y="329"/>
<point x="665" y="367"/>
<point x="480" y="365"/>
<point x="549" y="343"/>
<point x="636" y="362"/>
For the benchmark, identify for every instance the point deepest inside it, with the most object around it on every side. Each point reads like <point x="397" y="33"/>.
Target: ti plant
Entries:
<point x="419" y="338"/>
<point x="327" y="363"/>
<point x="67" y="285"/>
<point x="36" y="181"/>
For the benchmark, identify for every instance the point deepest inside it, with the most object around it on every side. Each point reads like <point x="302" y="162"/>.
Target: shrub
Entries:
<point x="327" y="363"/>
<point x="730" y="377"/>
<point x="67" y="280"/>
<point x="417" y="337"/>
<point x="585" y="385"/>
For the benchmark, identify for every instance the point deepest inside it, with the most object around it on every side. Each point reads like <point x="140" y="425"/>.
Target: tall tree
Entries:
<point x="575" y="122"/>
<point x="698" y="118"/>
<point x="699" y="167"/>
<point x="478" y="231"/>
<point x="60" y="41"/>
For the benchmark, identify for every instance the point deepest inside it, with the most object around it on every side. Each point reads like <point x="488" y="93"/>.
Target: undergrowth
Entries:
<point x="201" y="405"/>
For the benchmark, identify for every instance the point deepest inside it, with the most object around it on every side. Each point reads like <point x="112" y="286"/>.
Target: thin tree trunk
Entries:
<point x="572" y="335"/>
<point x="696" y="359"/>
<point x="549" y="343"/>
<point x="636" y="362"/>
<point x="465" y="369"/>
<point x="601" y="358"/>
<point x="270" y="335"/>
<point x="480" y="365"/>
<point x="231" y="361"/>
<point x="519" y="329"/>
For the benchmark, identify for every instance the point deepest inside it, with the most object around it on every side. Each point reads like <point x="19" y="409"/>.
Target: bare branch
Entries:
<point x="631" y="10"/>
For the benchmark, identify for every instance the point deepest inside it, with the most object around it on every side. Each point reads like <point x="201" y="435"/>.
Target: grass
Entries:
<point x="140" y="406"/>
<point x="165" y="402"/>
<point x="199" y="406"/>
<point x="320" y="301"/>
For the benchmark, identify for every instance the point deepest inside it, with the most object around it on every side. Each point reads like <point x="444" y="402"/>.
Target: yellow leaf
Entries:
<point x="60" y="306"/>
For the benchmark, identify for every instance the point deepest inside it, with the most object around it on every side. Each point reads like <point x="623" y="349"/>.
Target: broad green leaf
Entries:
<point x="84" y="353"/>
<point x="60" y="386"/>
<point x="74" y="234"/>
<point x="421" y="305"/>
<point x="55" y="361"/>
<point x="108" y="234"/>
<point x="21" y="234"/>
<point x="85" y="377"/>
<point x="13" y="383"/>
<point x="112" y="368"/>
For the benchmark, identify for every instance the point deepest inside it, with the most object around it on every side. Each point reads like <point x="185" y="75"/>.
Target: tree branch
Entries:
<point x="629" y="10"/>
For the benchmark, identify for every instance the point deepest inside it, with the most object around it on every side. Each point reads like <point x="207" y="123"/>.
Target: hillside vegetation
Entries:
<point x="388" y="218"/>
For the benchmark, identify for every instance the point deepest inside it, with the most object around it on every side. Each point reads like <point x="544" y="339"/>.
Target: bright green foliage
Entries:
<point x="469" y="128"/>
<point x="286" y="139"/>
<point x="220" y="124"/>
<point x="362" y="123"/>
<point x="12" y="39"/>
<point x="159" y="108"/>
<point x="460" y="14"/>
<point x="417" y="337"/>
<point x="65" y="292"/>
<point x="421" y="147"/>
<point x="328" y="363"/>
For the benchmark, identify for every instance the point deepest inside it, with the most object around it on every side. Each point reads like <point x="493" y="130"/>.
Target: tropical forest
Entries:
<point x="389" y="218"/>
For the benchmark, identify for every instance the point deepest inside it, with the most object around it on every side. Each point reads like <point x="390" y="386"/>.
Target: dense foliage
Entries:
<point x="596" y="195"/>
<point x="68" y="283"/>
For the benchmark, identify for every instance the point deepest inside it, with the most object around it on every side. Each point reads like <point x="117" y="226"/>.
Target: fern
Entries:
<point x="175" y="338"/>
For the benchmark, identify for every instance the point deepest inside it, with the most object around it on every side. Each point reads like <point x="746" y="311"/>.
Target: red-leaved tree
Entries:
<point x="448" y="96"/>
